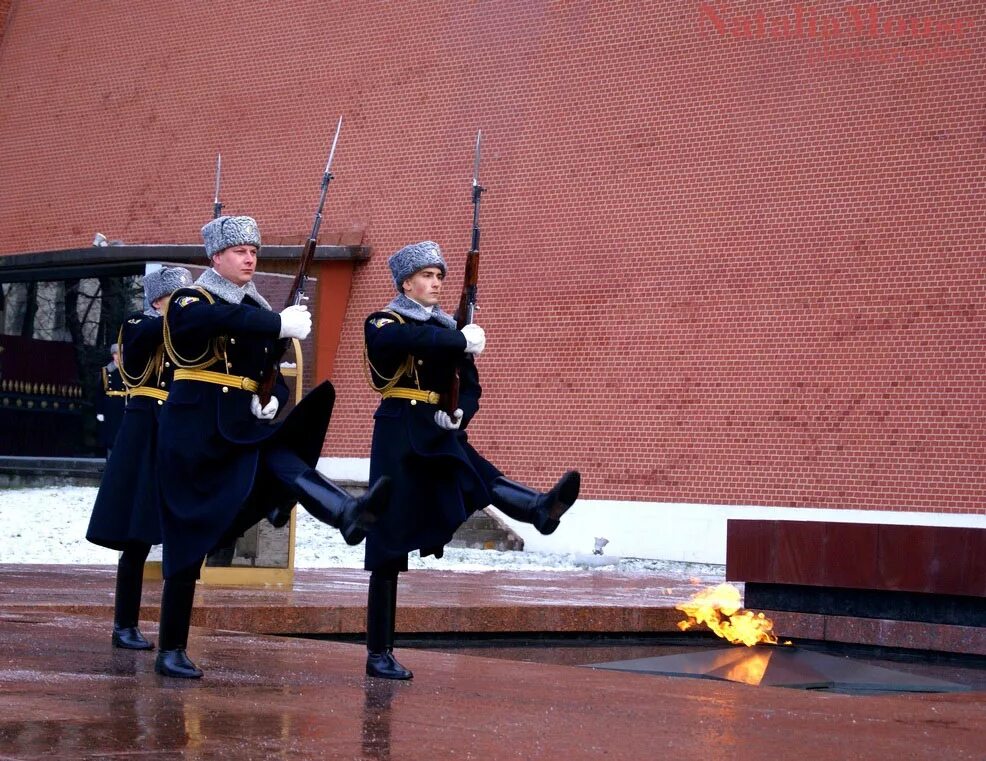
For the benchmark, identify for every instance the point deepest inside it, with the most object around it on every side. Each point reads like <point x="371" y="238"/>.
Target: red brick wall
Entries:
<point x="4" y="13"/>
<point x="716" y="268"/>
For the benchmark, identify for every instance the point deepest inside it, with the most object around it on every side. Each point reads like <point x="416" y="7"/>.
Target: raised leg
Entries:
<point x="542" y="510"/>
<point x="331" y="504"/>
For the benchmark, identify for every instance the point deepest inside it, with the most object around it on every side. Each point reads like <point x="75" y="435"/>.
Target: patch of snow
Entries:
<point x="48" y="525"/>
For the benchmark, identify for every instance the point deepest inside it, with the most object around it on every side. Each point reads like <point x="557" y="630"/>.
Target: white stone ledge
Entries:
<point x="687" y="532"/>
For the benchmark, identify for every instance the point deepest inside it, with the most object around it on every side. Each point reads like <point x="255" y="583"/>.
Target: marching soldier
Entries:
<point x="413" y="350"/>
<point x="224" y="464"/>
<point x="111" y="400"/>
<point x="126" y="515"/>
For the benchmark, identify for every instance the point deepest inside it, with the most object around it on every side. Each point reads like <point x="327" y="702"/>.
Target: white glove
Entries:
<point x="475" y="338"/>
<point x="99" y="417"/>
<point x="296" y="322"/>
<point x="268" y="412"/>
<point x="444" y="420"/>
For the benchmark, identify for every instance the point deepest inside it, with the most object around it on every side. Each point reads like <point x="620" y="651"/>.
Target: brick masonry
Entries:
<point x="719" y="266"/>
<point x="4" y="13"/>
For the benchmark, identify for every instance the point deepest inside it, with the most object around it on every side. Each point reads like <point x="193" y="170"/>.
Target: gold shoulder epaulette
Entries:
<point x="379" y="322"/>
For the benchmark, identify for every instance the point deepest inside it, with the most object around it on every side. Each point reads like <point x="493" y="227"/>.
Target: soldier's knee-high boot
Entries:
<point x="129" y="583"/>
<point x="333" y="505"/>
<point x="542" y="510"/>
<point x="381" y="617"/>
<point x="176" y="616"/>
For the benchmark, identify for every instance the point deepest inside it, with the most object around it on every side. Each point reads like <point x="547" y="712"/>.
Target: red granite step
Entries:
<point x="332" y="601"/>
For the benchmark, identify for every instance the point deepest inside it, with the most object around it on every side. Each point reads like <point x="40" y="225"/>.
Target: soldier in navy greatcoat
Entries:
<point x="126" y="515"/>
<point x="224" y="464"/>
<point x="111" y="400"/>
<point x="413" y="350"/>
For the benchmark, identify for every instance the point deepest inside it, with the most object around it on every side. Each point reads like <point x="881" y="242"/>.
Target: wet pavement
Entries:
<point x="67" y="694"/>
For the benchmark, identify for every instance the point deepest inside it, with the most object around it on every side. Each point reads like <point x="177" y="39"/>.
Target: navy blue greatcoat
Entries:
<point x="210" y="443"/>
<point x="127" y="506"/>
<point x="111" y="407"/>
<point x="439" y="478"/>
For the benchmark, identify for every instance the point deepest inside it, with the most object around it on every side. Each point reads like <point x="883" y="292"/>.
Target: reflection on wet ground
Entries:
<point x="969" y="671"/>
<point x="376" y="729"/>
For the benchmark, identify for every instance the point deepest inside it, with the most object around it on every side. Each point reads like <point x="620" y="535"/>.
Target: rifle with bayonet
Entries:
<point x="466" y="310"/>
<point x="217" y="206"/>
<point x="297" y="294"/>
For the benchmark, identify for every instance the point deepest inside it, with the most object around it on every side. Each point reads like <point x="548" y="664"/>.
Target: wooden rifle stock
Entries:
<point x="296" y="296"/>
<point x="463" y="316"/>
<point x="467" y="299"/>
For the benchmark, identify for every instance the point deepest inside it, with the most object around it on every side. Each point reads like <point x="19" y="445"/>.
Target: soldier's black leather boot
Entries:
<point x="130" y="638"/>
<point x="129" y="581"/>
<point x="176" y="615"/>
<point x="335" y="506"/>
<point x="381" y="616"/>
<point x="543" y="511"/>
<point x="177" y="664"/>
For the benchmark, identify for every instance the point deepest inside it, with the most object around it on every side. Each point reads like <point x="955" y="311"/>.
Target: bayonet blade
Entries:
<point x="328" y="164"/>
<point x="219" y="172"/>
<point x="475" y="165"/>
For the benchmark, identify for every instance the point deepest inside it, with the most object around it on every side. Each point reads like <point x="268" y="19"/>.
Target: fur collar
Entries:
<point x="219" y="286"/>
<point x="411" y="309"/>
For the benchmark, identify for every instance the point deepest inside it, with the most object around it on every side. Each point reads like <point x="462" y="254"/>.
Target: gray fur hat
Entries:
<point x="222" y="232"/>
<point x="415" y="257"/>
<point x="114" y="348"/>
<point x="165" y="281"/>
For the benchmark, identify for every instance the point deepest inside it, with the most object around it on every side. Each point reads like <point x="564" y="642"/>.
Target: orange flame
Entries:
<point x="749" y="670"/>
<point x="719" y="608"/>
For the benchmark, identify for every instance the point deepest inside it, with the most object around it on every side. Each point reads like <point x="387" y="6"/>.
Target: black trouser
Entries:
<point x="129" y="584"/>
